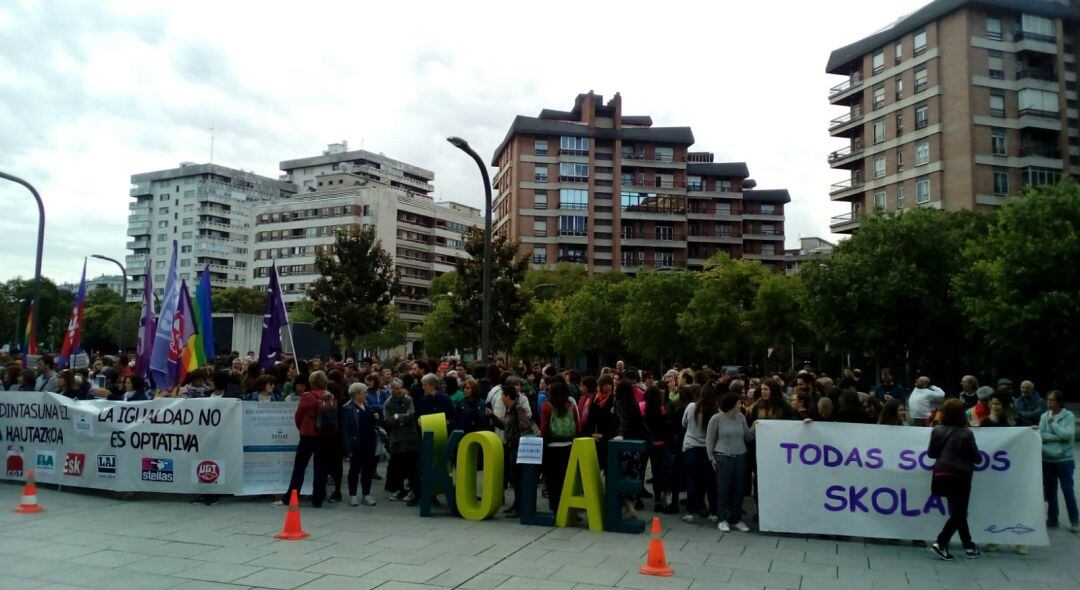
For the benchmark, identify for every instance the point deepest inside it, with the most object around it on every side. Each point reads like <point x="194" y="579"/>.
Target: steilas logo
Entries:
<point x="74" y="464"/>
<point x="154" y="469"/>
<point x="207" y="472"/>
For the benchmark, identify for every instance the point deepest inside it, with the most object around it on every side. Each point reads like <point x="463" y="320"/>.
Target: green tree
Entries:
<point x="886" y="292"/>
<point x="1021" y="285"/>
<point x="238" y="300"/>
<point x="559" y="282"/>
<point x="717" y="320"/>
<point x="649" y="318"/>
<point x="590" y="322"/>
<point x="509" y="301"/>
<point x="444" y="284"/>
<point x="391" y="335"/>
<point x="438" y="333"/>
<point x="302" y="312"/>
<point x="777" y="319"/>
<point x="537" y="331"/>
<point x="101" y="321"/>
<point x="53" y="304"/>
<point x="353" y="296"/>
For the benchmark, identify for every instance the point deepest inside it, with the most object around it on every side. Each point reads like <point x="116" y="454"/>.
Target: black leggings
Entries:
<point x="957" y="490"/>
<point x="361" y="468"/>
<point x="404" y="465"/>
<point x="318" y="447"/>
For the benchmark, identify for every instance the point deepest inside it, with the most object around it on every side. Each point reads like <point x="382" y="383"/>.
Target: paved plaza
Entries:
<point x="89" y="539"/>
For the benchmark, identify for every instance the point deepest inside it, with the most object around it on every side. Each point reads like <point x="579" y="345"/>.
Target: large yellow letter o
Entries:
<point x="465" y="475"/>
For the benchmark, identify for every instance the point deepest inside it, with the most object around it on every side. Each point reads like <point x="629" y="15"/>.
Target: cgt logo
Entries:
<point x="45" y="462"/>
<point x="154" y="469"/>
<point x="209" y="472"/>
<point x="106" y="466"/>
<point x="74" y="464"/>
<point x="14" y="461"/>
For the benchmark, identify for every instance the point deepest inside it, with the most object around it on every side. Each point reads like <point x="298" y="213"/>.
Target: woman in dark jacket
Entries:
<point x="631" y="427"/>
<point x="469" y="415"/>
<point x="659" y="443"/>
<point x="952" y="445"/>
<point x="602" y="421"/>
<point x="315" y="442"/>
<point x="358" y="437"/>
<point x="400" y="419"/>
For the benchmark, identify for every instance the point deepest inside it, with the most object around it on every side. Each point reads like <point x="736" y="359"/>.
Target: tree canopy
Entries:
<point x="353" y="295"/>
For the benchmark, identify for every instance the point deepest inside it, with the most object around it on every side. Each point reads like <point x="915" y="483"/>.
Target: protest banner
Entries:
<point x="164" y="445"/>
<point x="270" y="441"/>
<point x="865" y="480"/>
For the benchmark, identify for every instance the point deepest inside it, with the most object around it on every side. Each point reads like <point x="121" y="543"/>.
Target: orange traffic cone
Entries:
<point x="292" y="530"/>
<point x="29" y="497"/>
<point x="656" y="564"/>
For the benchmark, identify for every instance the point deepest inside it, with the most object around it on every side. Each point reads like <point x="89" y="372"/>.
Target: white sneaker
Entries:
<point x="367" y="501"/>
<point x="714" y="518"/>
<point x="742" y="527"/>
<point x="723" y="527"/>
<point x="354" y="501"/>
<point x="689" y="518"/>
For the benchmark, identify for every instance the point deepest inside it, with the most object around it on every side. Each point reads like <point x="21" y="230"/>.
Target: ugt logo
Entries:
<point x="74" y="464"/>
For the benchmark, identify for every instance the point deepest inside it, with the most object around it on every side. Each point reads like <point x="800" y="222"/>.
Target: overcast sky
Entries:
<point x="92" y="92"/>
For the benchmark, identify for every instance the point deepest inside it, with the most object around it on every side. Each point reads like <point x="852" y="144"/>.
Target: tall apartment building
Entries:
<point x="957" y="105"/>
<point x="611" y="191"/>
<point x="424" y="236"/>
<point x="207" y="209"/>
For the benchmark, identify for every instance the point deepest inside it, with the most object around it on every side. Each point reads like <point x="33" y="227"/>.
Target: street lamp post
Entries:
<point x="485" y="328"/>
<point x="40" y="248"/>
<point x="123" y="304"/>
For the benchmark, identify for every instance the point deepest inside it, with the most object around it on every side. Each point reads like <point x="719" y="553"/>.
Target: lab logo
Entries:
<point x="74" y="464"/>
<point x="208" y="472"/>
<point x="14" y="461"/>
<point x="45" y="462"/>
<point x="106" y="466"/>
<point x="154" y="469"/>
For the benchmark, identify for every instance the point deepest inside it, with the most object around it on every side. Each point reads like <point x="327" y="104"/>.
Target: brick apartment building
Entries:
<point x="957" y="105"/>
<point x="611" y="191"/>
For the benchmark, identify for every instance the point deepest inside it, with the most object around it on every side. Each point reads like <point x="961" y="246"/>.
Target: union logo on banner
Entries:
<point x="14" y="461"/>
<point x="74" y="464"/>
<point x="208" y="472"/>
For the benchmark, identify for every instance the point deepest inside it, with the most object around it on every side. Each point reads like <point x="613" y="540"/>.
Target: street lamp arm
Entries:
<point x="123" y="304"/>
<point x="485" y="339"/>
<point x="40" y="247"/>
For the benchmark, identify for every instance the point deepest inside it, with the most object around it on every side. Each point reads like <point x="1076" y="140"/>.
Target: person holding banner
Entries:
<point x="726" y="439"/>
<point x="952" y="446"/>
<point x="1057" y="426"/>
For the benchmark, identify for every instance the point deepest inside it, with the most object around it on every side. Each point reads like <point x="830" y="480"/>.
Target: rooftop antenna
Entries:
<point x="211" y="140"/>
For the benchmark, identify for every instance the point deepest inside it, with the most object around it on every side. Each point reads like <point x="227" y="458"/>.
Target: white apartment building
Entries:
<point x="306" y="173"/>
<point x="207" y="209"/>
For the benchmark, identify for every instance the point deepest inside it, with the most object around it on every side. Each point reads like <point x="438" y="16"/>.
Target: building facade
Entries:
<point x="114" y="283"/>
<point x="809" y="249"/>
<point x="207" y="209"/>
<point x="610" y="191"/>
<point x="958" y="105"/>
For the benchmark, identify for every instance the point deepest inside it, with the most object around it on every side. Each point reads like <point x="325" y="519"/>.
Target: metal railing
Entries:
<point x="1036" y="74"/>
<point x="845" y="185"/>
<point x="844" y="218"/>
<point x="844" y="86"/>
<point x="849" y="117"/>
<point x="1038" y="113"/>
<point x="569" y="152"/>
<point x="1030" y="36"/>
<point x="843" y="154"/>
<point x="1045" y="151"/>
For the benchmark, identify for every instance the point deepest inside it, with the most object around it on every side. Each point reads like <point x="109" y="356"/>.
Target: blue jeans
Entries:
<point x="1053" y="473"/>
<point x="730" y="486"/>
<point x="698" y="482"/>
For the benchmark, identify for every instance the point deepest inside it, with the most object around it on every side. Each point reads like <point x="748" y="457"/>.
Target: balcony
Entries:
<point x="763" y="233"/>
<point x="141" y="228"/>
<point x="569" y="152"/>
<point x="844" y="86"/>
<point x="641" y="234"/>
<point x="846" y="223"/>
<point x="845" y="186"/>
<point x="1041" y="150"/>
<point x="845" y="155"/>
<point x="844" y="125"/>
<point x="1030" y="112"/>
<point x="1036" y="74"/>
<point x="135" y="260"/>
<point x="1030" y="36"/>
<point x="138" y="244"/>
<point x="639" y="184"/>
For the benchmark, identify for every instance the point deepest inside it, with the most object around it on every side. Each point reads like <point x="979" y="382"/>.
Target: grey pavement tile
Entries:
<point x="515" y="583"/>
<point x="404" y="573"/>
<point x="277" y="578"/>
<point x="769" y="579"/>
<point x="16" y="545"/>
<point x="701" y="572"/>
<point x="643" y="582"/>
<point x="742" y="562"/>
<point x="61" y="551"/>
<point x="308" y="545"/>
<point x="484" y="581"/>
<point x="1014" y="586"/>
<point x="396" y="585"/>
<point x="713" y="548"/>
<point x="10" y="583"/>
<point x="159" y="565"/>
<point x="288" y="561"/>
<point x="803" y="569"/>
<point x="175" y="549"/>
<point x="136" y="581"/>
<point x="231" y="554"/>
<point x="683" y="556"/>
<point x="392" y="555"/>
<point x="243" y="540"/>
<point x="345" y="566"/>
<point x="722" y="585"/>
<point x="215" y="572"/>
<point x="455" y="576"/>
<point x="332" y="582"/>
<point x="108" y="558"/>
<point x="588" y="575"/>
<point x="77" y="574"/>
<point x="403" y="542"/>
<point x="591" y="587"/>
<point x="1038" y="575"/>
<point x="559" y="557"/>
<point x="527" y="569"/>
<point x="206" y="585"/>
<point x="878" y="583"/>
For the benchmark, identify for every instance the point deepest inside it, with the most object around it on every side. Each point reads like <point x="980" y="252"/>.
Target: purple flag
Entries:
<point x="159" y="356"/>
<point x="273" y="320"/>
<point x="183" y="328"/>
<point x="147" y="324"/>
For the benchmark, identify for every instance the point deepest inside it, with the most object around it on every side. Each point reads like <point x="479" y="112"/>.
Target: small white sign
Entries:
<point x="530" y="450"/>
<point x="83" y="425"/>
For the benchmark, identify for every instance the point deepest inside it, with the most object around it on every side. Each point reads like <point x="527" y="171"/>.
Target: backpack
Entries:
<point x="562" y="426"/>
<point x="327" y="418"/>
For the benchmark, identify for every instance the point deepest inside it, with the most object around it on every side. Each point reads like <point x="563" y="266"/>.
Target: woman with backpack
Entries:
<point x="317" y="420"/>
<point x="559" y="424"/>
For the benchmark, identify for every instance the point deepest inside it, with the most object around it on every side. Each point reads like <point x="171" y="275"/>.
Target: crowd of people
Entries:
<point x="698" y="425"/>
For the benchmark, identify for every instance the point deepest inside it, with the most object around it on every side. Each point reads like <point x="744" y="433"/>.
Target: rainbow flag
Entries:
<point x="29" y="337"/>
<point x="185" y="330"/>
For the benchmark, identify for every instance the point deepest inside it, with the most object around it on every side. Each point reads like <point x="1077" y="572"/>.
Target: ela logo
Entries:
<point x="14" y="461"/>
<point x="74" y="464"/>
<point x="154" y="469"/>
<point x="208" y="472"/>
<point x="106" y="466"/>
<point x="45" y="462"/>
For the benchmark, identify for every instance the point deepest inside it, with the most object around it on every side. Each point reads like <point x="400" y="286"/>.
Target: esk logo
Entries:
<point x="74" y="464"/>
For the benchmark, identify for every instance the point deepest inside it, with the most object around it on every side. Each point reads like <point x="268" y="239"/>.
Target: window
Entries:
<point x="899" y="124"/>
<point x="1037" y="28"/>
<point x="879" y="96"/>
<point x="540" y="174"/>
<point x="540" y="147"/>
<point x="572" y="254"/>
<point x="162" y="237"/>
<point x="920" y="79"/>
<point x="572" y="198"/>
<point x="922" y="116"/>
<point x="539" y="255"/>
<point x="768" y="209"/>
<point x="920" y="42"/>
<point x="723" y="186"/>
<point x="1038" y="176"/>
<point x="879" y="165"/>
<point x="163" y="210"/>
<point x="574" y="146"/>
<point x="665" y="232"/>
<point x="159" y="264"/>
<point x="184" y="249"/>
<point x="900" y="196"/>
<point x="540" y="200"/>
<point x="898" y="52"/>
<point x="997" y="103"/>
<point x="185" y="262"/>
<point x="664" y="154"/>
<point x="694" y="183"/>
<point x="879" y="131"/>
<point x="185" y="236"/>
<point x="573" y="172"/>
<point x="879" y="198"/>
<point x="723" y="208"/>
<point x="879" y="61"/>
<point x="1001" y="181"/>
<point x="899" y="158"/>
<point x="898" y="84"/>
<point x="540" y="227"/>
<point x="162" y="224"/>
<point x="161" y="251"/>
<point x="922" y="190"/>
<point x="768" y="249"/>
<point x="997" y="141"/>
<point x="993" y="28"/>
<point x="995" y="64"/>
<point x="922" y="152"/>
<point x="189" y="220"/>
<point x="1032" y="101"/>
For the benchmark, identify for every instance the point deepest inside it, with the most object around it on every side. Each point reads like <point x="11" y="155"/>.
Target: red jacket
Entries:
<point x="306" y="413"/>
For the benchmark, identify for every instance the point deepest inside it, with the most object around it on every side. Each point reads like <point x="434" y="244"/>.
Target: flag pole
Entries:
<point x="288" y="329"/>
